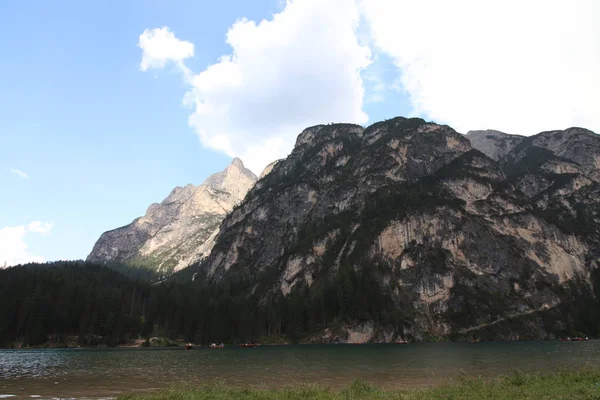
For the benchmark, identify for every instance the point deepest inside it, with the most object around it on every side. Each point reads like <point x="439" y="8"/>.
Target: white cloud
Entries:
<point x="517" y="66"/>
<point x="300" y="68"/>
<point x="20" y="173"/>
<point x="160" y="46"/>
<point x="13" y="248"/>
<point x="43" y="227"/>
<point x="520" y="67"/>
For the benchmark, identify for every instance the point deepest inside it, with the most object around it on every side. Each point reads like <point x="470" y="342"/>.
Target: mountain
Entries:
<point x="180" y="230"/>
<point x="494" y="144"/>
<point x="408" y="229"/>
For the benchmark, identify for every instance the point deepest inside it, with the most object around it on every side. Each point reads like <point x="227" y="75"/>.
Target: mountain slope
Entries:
<point x="180" y="230"/>
<point x="559" y="172"/>
<point x="420" y="234"/>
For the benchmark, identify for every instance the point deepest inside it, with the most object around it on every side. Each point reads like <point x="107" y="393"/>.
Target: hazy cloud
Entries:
<point x="20" y="173"/>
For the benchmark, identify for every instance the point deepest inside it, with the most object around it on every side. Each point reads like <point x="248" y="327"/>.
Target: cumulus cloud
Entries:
<point x="300" y="68"/>
<point x="160" y="46"/>
<point x="517" y="66"/>
<point x="13" y="247"/>
<point x="20" y="173"/>
<point x="520" y="67"/>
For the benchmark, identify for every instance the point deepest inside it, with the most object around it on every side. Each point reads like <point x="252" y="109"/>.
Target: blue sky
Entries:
<point x="99" y="140"/>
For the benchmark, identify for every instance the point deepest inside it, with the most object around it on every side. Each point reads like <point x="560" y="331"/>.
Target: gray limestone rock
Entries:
<point x="181" y="229"/>
<point x="485" y="235"/>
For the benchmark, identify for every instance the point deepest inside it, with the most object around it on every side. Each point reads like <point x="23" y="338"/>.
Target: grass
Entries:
<point x="584" y="384"/>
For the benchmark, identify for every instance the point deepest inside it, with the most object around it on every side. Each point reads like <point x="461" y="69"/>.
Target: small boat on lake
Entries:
<point x="574" y="339"/>
<point x="189" y="346"/>
<point x="401" y="341"/>
<point x="217" y="346"/>
<point x="249" y="345"/>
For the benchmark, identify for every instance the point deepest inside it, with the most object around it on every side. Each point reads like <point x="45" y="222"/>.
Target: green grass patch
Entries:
<point x="584" y="384"/>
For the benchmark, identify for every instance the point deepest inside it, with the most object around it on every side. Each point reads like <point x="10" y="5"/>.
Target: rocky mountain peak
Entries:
<point x="546" y="161"/>
<point x="576" y="144"/>
<point x="179" y="230"/>
<point x="235" y="179"/>
<point x="237" y="163"/>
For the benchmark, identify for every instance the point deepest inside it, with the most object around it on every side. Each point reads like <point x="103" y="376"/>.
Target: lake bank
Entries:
<point x="564" y="385"/>
<point x="73" y="342"/>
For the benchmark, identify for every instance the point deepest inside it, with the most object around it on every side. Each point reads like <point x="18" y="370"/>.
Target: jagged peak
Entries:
<point x="180" y="230"/>
<point x="575" y="144"/>
<point x="231" y="174"/>
<point x="237" y="162"/>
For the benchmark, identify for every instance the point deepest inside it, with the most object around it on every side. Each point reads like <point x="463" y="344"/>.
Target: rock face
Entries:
<point x="181" y="229"/>
<point x="488" y="235"/>
<point x="494" y="144"/>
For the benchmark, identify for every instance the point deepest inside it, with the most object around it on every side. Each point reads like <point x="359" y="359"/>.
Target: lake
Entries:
<point x="101" y="373"/>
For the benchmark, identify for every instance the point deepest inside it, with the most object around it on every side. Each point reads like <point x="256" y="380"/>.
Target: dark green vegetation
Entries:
<point x="564" y="385"/>
<point x="51" y="302"/>
<point x="98" y="304"/>
<point x="54" y="301"/>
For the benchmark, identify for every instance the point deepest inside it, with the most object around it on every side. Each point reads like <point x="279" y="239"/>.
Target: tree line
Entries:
<point x="100" y="305"/>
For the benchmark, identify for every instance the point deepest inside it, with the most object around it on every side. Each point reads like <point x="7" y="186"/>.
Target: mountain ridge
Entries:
<point x="178" y="231"/>
<point x="439" y="226"/>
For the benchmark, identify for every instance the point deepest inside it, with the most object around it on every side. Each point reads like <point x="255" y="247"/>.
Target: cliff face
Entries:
<point x="181" y="229"/>
<point x="460" y="243"/>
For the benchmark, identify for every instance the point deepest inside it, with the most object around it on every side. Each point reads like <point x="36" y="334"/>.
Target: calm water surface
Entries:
<point x="93" y="373"/>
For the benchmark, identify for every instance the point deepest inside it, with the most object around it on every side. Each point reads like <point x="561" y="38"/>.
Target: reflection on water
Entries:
<point x="68" y="373"/>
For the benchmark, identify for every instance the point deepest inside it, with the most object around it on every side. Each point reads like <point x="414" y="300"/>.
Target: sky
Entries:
<point x="107" y="105"/>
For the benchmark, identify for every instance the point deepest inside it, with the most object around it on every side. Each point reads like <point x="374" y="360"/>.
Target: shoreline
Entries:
<point x="582" y="383"/>
<point x="178" y="344"/>
<point x="567" y="385"/>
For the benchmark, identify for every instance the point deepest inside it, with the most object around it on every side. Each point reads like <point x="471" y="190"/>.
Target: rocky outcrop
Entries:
<point x="559" y="173"/>
<point x="181" y="229"/>
<point x="488" y="235"/>
<point x="494" y="144"/>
